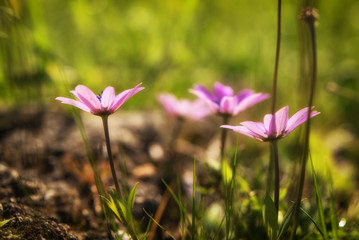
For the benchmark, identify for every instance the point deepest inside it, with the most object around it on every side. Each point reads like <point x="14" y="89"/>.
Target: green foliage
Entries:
<point x="3" y="222"/>
<point x="270" y="218"/>
<point x="122" y="209"/>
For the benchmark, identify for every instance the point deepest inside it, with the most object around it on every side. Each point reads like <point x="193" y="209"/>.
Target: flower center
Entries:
<point x="99" y="96"/>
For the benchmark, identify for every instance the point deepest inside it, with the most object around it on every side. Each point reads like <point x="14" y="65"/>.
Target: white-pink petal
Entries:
<point x="268" y="125"/>
<point x="299" y="117"/>
<point x="281" y="120"/>
<point x="124" y="96"/>
<point x="243" y="130"/>
<point x="221" y="90"/>
<point x="256" y="127"/>
<point x="107" y="97"/>
<point x="86" y="96"/>
<point x="227" y="104"/>
<point x="249" y="101"/>
<point x="74" y="103"/>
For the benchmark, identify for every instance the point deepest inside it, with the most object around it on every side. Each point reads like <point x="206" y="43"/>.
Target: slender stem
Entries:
<point x="276" y="174"/>
<point x="175" y="134"/>
<point x="171" y="163"/>
<point x="277" y="53"/>
<point x="109" y="152"/>
<point x="194" y="201"/>
<point x="225" y="118"/>
<point x="309" y="16"/>
<point x="270" y="173"/>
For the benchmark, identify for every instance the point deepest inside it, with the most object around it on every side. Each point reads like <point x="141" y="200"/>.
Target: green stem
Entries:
<point x="276" y="174"/>
<point x="175" y="134"/>
<point x="277" y="53"/>
<point x="309" y="16"/>
<point x="225" y="118"/>
<point x="109" y="152"/>
<point x="171" y="163"/>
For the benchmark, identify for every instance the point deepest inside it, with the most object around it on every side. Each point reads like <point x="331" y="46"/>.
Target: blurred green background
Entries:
<point x="48" y="47"/>
<point x="169" y="45"/>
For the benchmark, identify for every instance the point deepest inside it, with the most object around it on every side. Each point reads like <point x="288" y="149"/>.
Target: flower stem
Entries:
<point x="225" y="118"/>
<point x="309" y="16"/>
<point x="277" y="53"/>
<point x="109" y="152"/>
<point x="175" y="134"/>
<point x="276" y="174"/>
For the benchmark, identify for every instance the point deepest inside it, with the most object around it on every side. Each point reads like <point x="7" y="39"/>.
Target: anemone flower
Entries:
<point x="101" y="105"/>
<point x="269" y="130"/>
<point x="225" y="103"/>
<point x="223" y="100"/>
<point x="183" y="108"/>
<point x="274" y="128"/>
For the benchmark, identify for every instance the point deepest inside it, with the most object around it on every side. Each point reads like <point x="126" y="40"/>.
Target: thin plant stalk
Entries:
<point x="319" y="203"/>
<point x="97" y="176"/>
<point x="225" y="119"/>
<point x="276" y="174"/>
<point x="277" y="54"/>
<point x="175" y="134"/>
<point x="194" y="202"/>
<point x="270" y="173"/>
<point x="333" y="213"/>
<point x="109" y="152"/>
<point x="230" y="193"/>
<point x="170" y="171"/>
<point x="309" y="16"/>
<point x="171" y="163"/>
<point x="274" y="97"/>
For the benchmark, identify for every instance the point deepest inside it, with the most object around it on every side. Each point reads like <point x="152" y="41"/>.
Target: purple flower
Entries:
<point x="184" y="108"/>
<point x="223" y="101"/>
<point x="268" y="130"/>
<point x="101" y="105"/>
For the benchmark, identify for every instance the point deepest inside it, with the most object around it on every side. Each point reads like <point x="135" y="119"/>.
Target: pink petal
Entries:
<point x="202" y="92"/>
<point x="281" y="120"/>
<point x="107" y="97"/>
<point x="124" y="96"/>
<point x="205" y="97"/>
<point x="298" y="118"/>
<point x="221" y="91"/>
<point x="227" y="105"/>
<point x="74" y="103"/>
<point x="257" y="128"/>
<point x="243" y="130"/>
<point x="250" y="101"/>
<point x="87" y="97"/>
<point x="200" y="109"/>
<point x="268" y="124"/>
<point x="168" y="102"/>
<point x="244" y="94"/>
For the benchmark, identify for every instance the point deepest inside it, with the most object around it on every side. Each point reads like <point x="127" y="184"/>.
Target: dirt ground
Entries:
<point x="46" y="181"/>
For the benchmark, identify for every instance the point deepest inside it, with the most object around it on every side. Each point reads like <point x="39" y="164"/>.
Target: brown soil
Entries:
<point x="47" y="184"/>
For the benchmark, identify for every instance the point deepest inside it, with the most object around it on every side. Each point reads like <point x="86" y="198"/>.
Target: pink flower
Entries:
<point x="268" y="130"/>
<point x="184" y="108"/>
<point x="223" y="101"/>
<point x="101" y="105"/>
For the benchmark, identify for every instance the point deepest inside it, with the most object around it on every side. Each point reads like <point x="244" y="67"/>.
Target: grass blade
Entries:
<point x="286" y="221"/>
<point x="2" y="223"/>
<point x="159" y="225"/>
<point x="270" y="217"/>
<point x="194" y="201"/>
<point x="179" y="203"/>
<point x="312" y="220"/>
<point x="333" y="213"/>
<point x="319" y="202"/>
